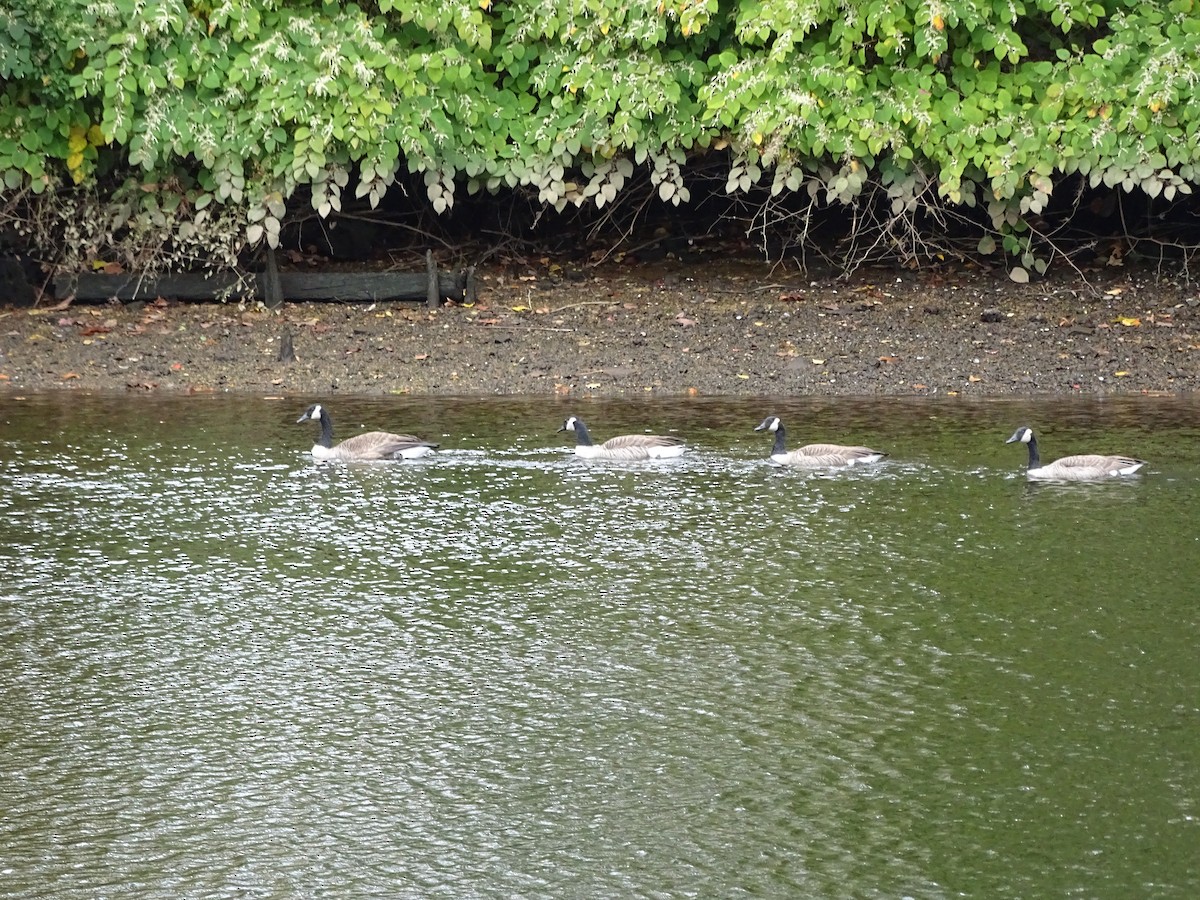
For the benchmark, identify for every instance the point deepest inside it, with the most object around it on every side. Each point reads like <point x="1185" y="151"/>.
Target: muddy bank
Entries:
<point x="729" y="329"/>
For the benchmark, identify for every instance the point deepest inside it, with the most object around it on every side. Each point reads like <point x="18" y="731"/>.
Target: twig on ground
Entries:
<point x="530" y="328"/>
<point x="583" y="303"/>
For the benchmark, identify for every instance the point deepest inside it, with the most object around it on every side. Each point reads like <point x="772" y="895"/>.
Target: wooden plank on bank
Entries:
<point x="347" y="286"/>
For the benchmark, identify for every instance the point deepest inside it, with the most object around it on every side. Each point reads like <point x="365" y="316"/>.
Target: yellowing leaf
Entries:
<point x="1120" y="374"/>
<point x="938" y="22"/>
<point x="519" y="308"/>
<point x="1129" y="321"/>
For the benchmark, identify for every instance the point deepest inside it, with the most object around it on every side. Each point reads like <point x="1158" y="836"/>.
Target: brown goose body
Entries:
<point x="369" y="446"/>
<point x="815" y="456"/>
<point x="625" y="447"/>
<point x="1082" y="467"/>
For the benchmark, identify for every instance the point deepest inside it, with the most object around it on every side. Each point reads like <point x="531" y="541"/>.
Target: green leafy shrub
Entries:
<point x="182" y="133"/>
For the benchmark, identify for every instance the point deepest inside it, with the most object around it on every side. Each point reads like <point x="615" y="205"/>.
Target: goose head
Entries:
<point x="770" y="423"/>
<point x="312" y="414"/>
<point x="571" y="424"/>
<point x="1023" y="435"/>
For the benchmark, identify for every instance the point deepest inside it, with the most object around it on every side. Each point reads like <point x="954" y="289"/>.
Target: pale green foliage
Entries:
<point x="226" y="110"/>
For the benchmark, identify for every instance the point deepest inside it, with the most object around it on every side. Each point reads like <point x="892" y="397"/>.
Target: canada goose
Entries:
<point x="1088" y="467"/>
<point x="372" y="445"/>
<point x="627" y="447"/>
<point x="815" y="456"/>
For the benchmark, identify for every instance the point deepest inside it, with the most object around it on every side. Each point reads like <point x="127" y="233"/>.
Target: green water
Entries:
<point x="229" y="671"/>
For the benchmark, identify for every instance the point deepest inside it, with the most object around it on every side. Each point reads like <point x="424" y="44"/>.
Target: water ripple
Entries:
<point x="507" y="672"/>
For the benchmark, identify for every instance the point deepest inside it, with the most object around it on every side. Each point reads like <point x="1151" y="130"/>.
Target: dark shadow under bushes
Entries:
<point x="1081" y="228"/>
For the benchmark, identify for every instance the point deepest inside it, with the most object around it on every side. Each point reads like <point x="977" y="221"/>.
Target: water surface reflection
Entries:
<point x="504" y="671"/>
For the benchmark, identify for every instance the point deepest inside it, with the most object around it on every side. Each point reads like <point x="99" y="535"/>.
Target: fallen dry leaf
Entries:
<point x="974" y="379"/>
<point x="70" y="375"/>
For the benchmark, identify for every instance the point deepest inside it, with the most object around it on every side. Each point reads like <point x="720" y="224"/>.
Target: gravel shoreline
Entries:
<point x="736" y="329"/>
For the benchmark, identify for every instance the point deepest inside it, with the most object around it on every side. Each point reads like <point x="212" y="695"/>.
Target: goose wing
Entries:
<point x="823" y="455"/>
<point x="838" y="450"/>
<point x="799" y="460"/>
<point x="1090" y="465"/>
<point x="642" y="441"/>
<point x="641" y="446"/>
<point x="380" y="445"/>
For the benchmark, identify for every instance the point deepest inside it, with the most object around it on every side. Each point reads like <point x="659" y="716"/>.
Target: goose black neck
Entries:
<point x="581" y="434"/>
<point x="780" y="442"/>
<point x="326" y="439"/>
<point x="1035" y="460"/>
